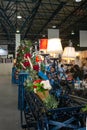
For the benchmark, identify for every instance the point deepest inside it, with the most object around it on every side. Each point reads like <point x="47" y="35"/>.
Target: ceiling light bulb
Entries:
<point x="43" y="35"/>
<point x="78" y="0"/>
<point x="19" y="16"/>
<point x="35" y="41"/>
<point x="72" y="33"/>
<point x="17" y="31"/>
<point x="54" y="26"/>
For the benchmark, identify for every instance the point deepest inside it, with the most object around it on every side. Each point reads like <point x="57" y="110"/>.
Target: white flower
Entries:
<point x="46" y="84"/>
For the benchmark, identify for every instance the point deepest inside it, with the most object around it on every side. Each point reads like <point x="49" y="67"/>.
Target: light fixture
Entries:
<point x="43" y="35"/>
<point x="78" y="0"/>
<point x="35" y="42"/>
<point x="77" y="54"/>
<point x="78" y="45"/>
<point x="53" y="26"/>
<point x="3" y="52"/>
<point x="69" y="53"/>
<point x="54" y="47"/>
<point x="19" y="16"/>
<point x="43" y="45"/>
<point x="72" y="32"/>
<point x="17" y="31"/>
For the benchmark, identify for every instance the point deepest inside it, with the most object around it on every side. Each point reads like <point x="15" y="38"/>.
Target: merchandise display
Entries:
<point x="43" y="64"/>
<point x="49" y="95"/>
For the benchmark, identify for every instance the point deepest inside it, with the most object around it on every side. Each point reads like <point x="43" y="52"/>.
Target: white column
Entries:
<point x="17" y="42"/>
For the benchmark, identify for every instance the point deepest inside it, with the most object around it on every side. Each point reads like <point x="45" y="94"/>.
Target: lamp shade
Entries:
<point x="69" y="53"/>
<point x="54" y="46"/>
<point x="3" y="52"/>
<point x="43" y="45"/>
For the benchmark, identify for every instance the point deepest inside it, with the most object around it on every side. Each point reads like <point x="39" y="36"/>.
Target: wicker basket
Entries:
<point x="42" y="95"/>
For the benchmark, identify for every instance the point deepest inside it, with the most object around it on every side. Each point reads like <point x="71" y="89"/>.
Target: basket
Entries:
<point x="42" y="95"/>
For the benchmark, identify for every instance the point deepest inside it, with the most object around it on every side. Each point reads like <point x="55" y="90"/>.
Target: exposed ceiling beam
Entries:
<point x="33" y="16"/>
<point x="71" y="14"/>
<point x="52" y="16"/>
<point x="8" y="5"/>
<point x="5" y="17"/>
<point x="30" y="16"/>
<point x="5" y="30"/>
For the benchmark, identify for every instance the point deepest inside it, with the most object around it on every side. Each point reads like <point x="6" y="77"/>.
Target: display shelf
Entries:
<point x="69" y="118"/>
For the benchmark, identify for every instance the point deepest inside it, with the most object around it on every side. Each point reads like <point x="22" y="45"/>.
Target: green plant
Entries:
<point x="84" y="109"/>
<point x="28" y="85"/>
<point x="50" y="102"/>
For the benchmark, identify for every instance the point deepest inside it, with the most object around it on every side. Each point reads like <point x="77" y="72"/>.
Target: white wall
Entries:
<point x="6" y="68"/>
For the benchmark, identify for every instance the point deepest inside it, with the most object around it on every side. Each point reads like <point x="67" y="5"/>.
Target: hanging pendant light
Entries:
<point x="69" y="53"/>
<point x="54" y="47"/>
<point x="43" y="45"/>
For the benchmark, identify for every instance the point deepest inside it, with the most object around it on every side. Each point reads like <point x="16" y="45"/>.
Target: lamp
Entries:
<point x="69" y="53"/>
<point x="3" y="52"/>
<point x="54" y="46"/>
<point x="43" y="45"/>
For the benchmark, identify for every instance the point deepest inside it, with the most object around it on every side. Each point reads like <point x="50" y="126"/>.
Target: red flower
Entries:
<point x="34" y="86"/>
<point x="17" y="54"/>
<point x="36" y="67"/>
<point x="38" y="59"/>
<point x="26" y="64"/>
<point x="35" y="82"/>
<point x="27" y="55"/>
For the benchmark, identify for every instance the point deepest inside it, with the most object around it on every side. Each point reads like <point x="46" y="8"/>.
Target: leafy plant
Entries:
<point x="28" y="85"/>
<point x="84" y="109"/>
<point x="50" y="102"/>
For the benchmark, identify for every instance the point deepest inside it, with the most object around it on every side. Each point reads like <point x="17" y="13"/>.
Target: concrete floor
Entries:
<point x="9" y="114"/>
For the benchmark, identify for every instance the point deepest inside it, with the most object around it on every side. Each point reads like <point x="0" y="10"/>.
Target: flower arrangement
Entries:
<point x="23" y="55"/>
<point x="27" y="62"/>
<point x="36" y="84"/>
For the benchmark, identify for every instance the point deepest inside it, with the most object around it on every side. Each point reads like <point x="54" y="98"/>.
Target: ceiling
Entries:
<point x="40" y="15"/>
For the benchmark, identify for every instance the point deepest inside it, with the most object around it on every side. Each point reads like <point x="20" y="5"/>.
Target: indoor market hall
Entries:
<point x="43" y="64"/>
